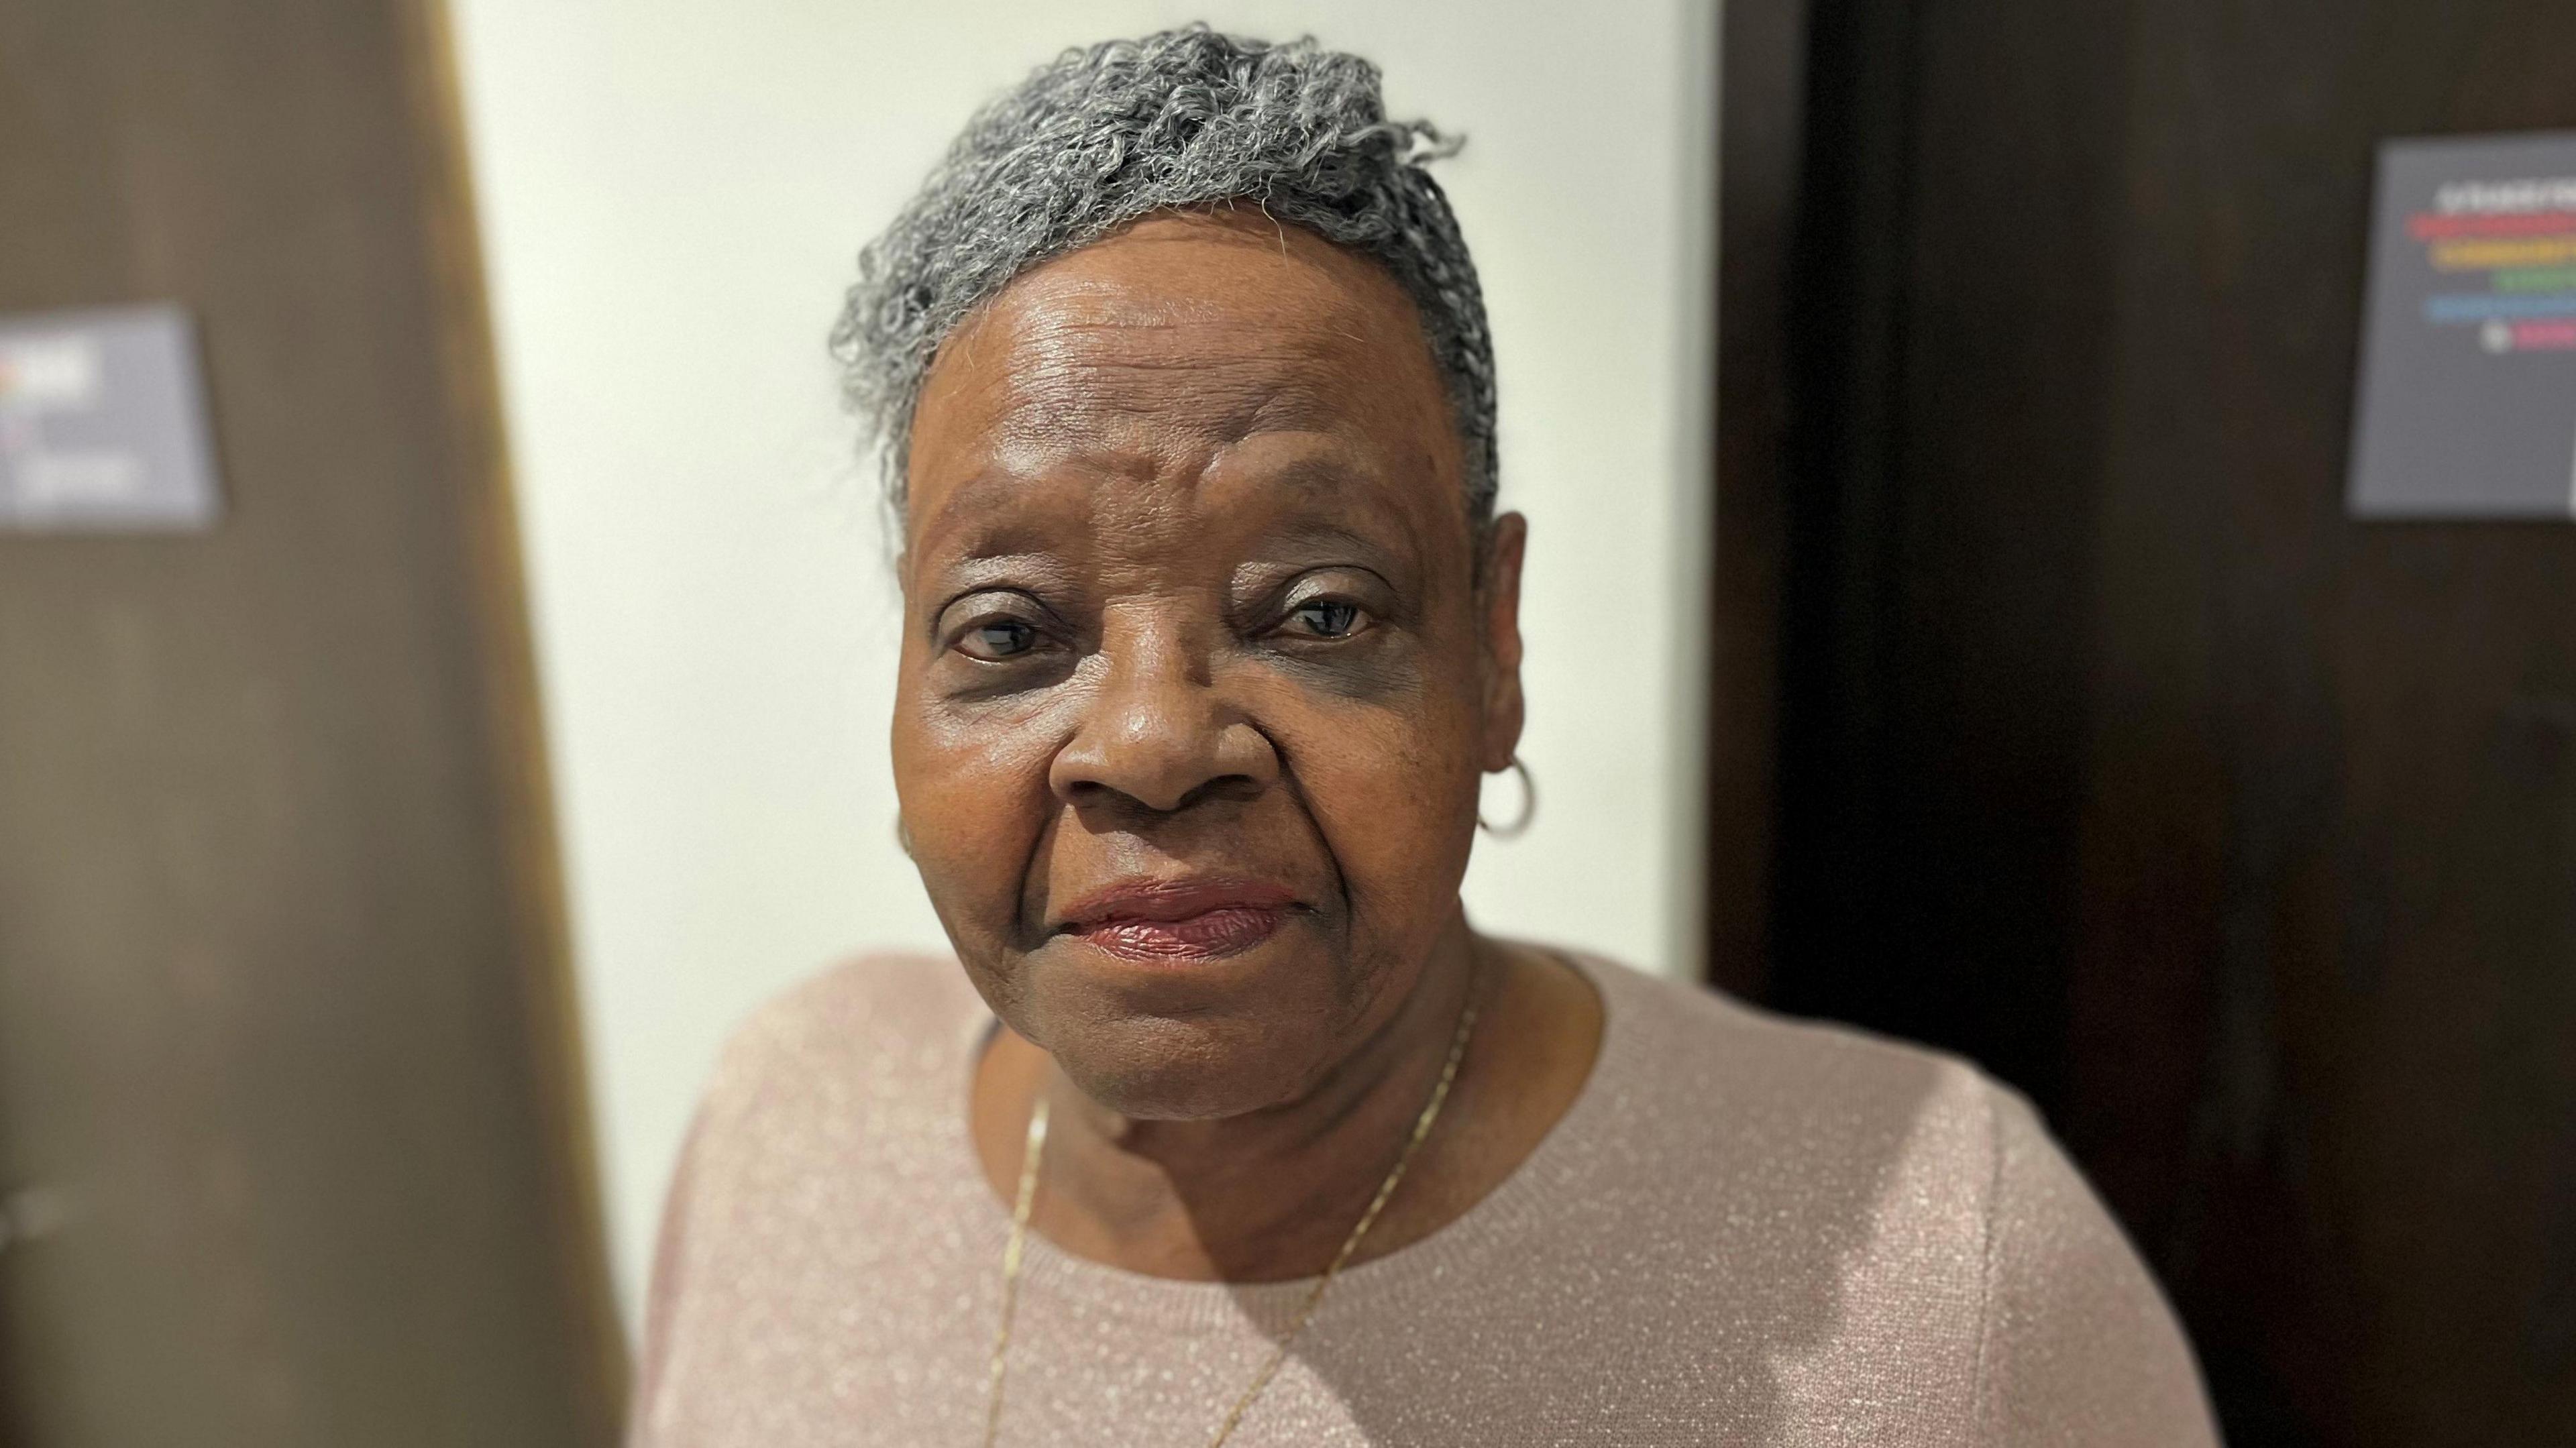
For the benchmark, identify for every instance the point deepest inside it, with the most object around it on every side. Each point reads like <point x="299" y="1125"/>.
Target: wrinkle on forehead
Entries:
<point x="1309" y="492"/>
<point x="1213" y="379"/>
<point x="1149" y="354"/>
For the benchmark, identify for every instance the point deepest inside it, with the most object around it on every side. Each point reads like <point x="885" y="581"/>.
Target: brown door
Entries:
<point x="2110" y="749"/>
<point x="287" y="1138"/>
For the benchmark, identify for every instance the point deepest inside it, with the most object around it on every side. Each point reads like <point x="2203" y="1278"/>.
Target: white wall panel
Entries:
<point x="672" y="192"/>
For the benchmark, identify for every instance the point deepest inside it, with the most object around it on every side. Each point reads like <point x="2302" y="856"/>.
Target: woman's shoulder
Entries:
<point x="1736" y="1062"/>
<point x="878" y="1020"/>
<point x="1898" y="1143"/>
<point x="1930" y="1195"/>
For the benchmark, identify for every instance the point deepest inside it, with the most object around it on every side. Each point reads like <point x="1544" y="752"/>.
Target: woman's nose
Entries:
<point x="1159" y="734"/>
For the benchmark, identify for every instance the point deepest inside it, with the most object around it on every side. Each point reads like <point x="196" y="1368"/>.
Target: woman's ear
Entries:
<point x="1498" y="604"/>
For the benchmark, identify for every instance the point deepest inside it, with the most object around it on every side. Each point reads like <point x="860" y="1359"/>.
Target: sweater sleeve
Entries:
<point x="2078" y="1343"/>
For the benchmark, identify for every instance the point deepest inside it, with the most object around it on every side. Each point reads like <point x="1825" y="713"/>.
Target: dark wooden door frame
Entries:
<point x="2065" y="721"/>
<point x="284" y="991"/>
<point x="1761" y="150"/>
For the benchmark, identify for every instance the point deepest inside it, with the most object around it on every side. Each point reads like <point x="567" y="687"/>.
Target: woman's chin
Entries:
<point x="1257" y="1051"/>
<point x="1147" y="1088"/>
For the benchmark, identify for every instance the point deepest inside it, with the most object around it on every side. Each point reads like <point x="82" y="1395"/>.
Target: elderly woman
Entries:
<point x="1232" y="1127"/>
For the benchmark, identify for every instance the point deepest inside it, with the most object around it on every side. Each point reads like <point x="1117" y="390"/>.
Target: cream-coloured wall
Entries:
<point x="672" y="192"/>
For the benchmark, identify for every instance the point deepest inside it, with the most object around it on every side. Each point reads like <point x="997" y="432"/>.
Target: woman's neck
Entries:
<point x="1270" y="1195"/>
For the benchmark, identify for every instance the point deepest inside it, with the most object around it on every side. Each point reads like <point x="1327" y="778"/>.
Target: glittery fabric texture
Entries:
<point x="1744" y="1231"/>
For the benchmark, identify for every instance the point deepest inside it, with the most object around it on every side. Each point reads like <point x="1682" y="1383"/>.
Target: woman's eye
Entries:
<point x="1002" y="638"/>
<point x="1326" y="618"/>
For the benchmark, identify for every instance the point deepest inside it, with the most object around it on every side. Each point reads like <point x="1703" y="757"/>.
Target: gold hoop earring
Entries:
<point x="1520" y="823"/>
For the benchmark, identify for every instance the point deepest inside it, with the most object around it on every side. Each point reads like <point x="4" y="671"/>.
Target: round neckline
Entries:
<point x="1527" y="1195"/>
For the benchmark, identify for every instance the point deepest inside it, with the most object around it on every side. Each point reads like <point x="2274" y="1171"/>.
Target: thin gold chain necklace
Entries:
<point x="1027" y="1197"/>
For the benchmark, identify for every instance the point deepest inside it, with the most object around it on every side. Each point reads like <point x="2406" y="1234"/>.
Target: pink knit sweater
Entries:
<point x="1745" y="1230"/>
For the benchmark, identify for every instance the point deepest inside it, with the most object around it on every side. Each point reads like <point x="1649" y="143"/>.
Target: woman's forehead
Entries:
<point x="1231" y="265"/>
<point x="1267" y="491"/>
<point x="1171" y="345"/>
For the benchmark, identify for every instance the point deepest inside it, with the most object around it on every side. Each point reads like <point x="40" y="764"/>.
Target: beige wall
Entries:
<point x="672" y="192"/>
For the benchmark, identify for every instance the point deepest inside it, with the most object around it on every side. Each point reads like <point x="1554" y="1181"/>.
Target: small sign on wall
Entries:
<point x="2468" y="372"/>
<point x="103" y="423"/>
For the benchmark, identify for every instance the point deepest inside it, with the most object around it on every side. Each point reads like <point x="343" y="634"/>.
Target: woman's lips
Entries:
<point x="1179" y="920"/>
<point x="1204" y="936"/>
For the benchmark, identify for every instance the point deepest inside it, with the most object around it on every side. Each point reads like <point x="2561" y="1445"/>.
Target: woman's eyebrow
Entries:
<point x="996" y="539"/>
<point x="972" y="575"/>
<point x="990" y="516"/>
<point x="1320" y="478"/>
<point x="983" y="570"/>
<point x="1335" y="503"/>
<point x="1322" y="534"/>
<point x="1312" y="541"/>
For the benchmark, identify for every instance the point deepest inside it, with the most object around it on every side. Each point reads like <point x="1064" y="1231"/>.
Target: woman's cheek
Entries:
<point x="975" y="797"/>
<point x="1394" y="796"/>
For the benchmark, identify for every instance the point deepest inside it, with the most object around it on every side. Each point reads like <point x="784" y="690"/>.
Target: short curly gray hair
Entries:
<point x="1097" y="138"/>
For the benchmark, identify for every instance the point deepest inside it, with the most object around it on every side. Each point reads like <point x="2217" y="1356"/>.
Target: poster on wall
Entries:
<point x="2468" y="368"/>
<point x="103" y="423"/>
